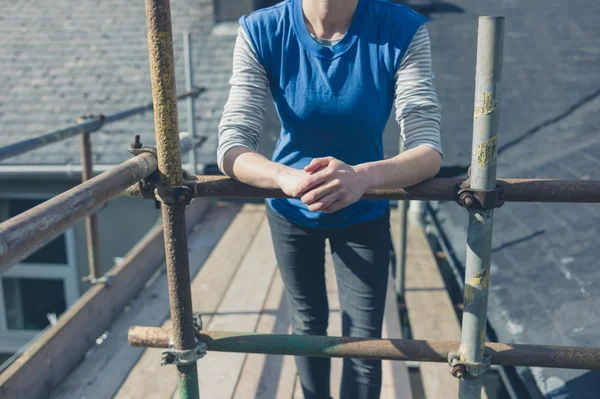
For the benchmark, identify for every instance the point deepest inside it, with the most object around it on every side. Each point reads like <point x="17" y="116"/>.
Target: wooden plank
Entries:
<point x="335" y="321"/>
<point x="430" y="310"/>
<point x="239" y="311"/>
<point x="395" y="379"/>
<point x="269" y="376"/>
<point x="57" y="351"/>
<point x="107" y="365"/>
<point x="148" y="379"/>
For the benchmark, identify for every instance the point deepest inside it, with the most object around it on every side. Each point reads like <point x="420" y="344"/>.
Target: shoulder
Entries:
<point x="401" y="19"/>
<point x="394" y="10"/>
<point x="397" y="22"/>
<point x="267" y="18"/>
<point x="266" y="28"/>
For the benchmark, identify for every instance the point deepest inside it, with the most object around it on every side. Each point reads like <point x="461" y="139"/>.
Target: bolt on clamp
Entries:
<point x="150" y="187"/>
<point x="463" y="369"/>
<point x="105" y="279"/>
<point x="472" y="198"/>
<point x="182" y="357"/>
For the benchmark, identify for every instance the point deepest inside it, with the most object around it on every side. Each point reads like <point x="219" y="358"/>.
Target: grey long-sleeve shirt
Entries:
<point x="417" y="107"/>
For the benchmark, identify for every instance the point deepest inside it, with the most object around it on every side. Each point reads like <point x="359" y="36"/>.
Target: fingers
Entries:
<point x="334" y="206"/>
<point x="310" y="182"/>
<point x="317" y="163"/>
<point x="315" y="194"/>
<point x="324" y="202"/>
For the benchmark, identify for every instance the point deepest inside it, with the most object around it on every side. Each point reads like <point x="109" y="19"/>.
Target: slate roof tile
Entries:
<point x="66" y="59"/>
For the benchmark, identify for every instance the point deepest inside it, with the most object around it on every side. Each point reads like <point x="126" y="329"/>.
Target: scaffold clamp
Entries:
<point x="472" y="198"/>
<point x="463" y="369"/>
<point x="182" y="357"/>
<point x="105" y="279"/>
<point x="151" y="188"/>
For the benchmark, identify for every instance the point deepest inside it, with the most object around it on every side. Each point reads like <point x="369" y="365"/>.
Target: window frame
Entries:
<point x="12" y="340"/>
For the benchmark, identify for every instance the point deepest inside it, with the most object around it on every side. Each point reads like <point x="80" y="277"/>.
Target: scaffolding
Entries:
<point x="157" y="174"/>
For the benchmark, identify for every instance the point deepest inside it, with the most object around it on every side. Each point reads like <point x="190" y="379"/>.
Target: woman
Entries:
<point x="334" y="68"/>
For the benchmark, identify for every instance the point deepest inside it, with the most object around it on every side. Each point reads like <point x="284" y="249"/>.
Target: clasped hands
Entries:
<point x="326" y="184"/>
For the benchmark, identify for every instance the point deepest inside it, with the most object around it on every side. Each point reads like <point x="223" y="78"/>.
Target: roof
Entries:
<point x="60" y="60"/>
<point x="545" y="279"/>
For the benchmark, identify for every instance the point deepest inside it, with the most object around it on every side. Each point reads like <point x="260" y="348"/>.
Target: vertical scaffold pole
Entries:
<point x="162" y="70"/>
<point x="483" y="176"/>
<point x="91" y="220"/>
<point x="189" y="84"/>
<point x="400" y="281"/>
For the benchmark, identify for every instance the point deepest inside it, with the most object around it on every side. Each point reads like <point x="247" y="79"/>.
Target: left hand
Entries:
<point x="331" y="186"/>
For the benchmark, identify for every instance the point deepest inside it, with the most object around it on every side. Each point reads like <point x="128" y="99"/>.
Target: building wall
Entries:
<point x="231" y="10"/>
<point x="121" y="224"/>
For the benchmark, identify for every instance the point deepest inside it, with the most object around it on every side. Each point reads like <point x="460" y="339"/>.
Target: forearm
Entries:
<point x="241" y="123"/>
<point x="250" y="167"/>
<point x="419" y="116"/>
<point x="405" y="169"/>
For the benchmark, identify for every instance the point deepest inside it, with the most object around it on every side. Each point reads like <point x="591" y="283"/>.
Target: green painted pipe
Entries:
<point x="372" y="348"/>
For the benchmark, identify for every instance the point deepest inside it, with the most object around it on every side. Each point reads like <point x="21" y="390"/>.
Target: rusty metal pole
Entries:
<point x="91" y="220"/>
<point x="470" y="363"/>
<point x="89" y="124"/>
<point x="162" y="69"/>
<point x="400" y="277"/>
<point x="401" y="260"/>
<point x="23" y="234"/>
<point x="570" y="357"/>
<point x="189" y="84"/>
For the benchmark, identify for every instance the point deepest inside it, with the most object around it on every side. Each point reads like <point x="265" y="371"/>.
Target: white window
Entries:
<point x="42" y="285"/>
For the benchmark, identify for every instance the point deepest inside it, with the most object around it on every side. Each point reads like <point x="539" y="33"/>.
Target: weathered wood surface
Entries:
<point x="239" y="310"/>
<point x="107" y="365"/>
<point x="395" y="380"/>
<point x="50" y="359"/>
<point x="148" y="379"/>
<point x="269" y="376"/>
<point x="237" y="288"/>
<point x="431" y="313"/>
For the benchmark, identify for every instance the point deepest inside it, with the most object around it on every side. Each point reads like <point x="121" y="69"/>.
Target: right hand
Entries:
<point x="288" y="178"/>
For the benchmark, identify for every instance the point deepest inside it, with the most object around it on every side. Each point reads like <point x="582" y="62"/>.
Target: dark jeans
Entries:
<point x="361" y="257"/>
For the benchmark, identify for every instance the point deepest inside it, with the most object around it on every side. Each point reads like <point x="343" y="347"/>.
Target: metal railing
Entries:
<point x="85" y="126"/>
<point x="185" y="342"/>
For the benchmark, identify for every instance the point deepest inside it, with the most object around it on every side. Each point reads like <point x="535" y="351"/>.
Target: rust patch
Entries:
<point x="487" y="107"/>
<point x="481" y="279"/>
<point x="479" y="282"/>
<point x="469" y="295"/>
<point x="486" y="152"/>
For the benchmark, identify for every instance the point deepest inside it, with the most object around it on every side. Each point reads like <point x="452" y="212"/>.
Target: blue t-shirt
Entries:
<point x="331" y="100"/>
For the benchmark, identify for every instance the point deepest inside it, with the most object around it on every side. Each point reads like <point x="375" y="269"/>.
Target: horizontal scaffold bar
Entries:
<point x="370" y="348"/>
<point x="27" y="232"/>
<point x="443" y="189"/>
<point x="89" y="126"/>
<point x="23" y="234"/>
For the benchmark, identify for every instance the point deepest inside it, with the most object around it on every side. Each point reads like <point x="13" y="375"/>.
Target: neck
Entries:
<point x="328" y="19"/>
